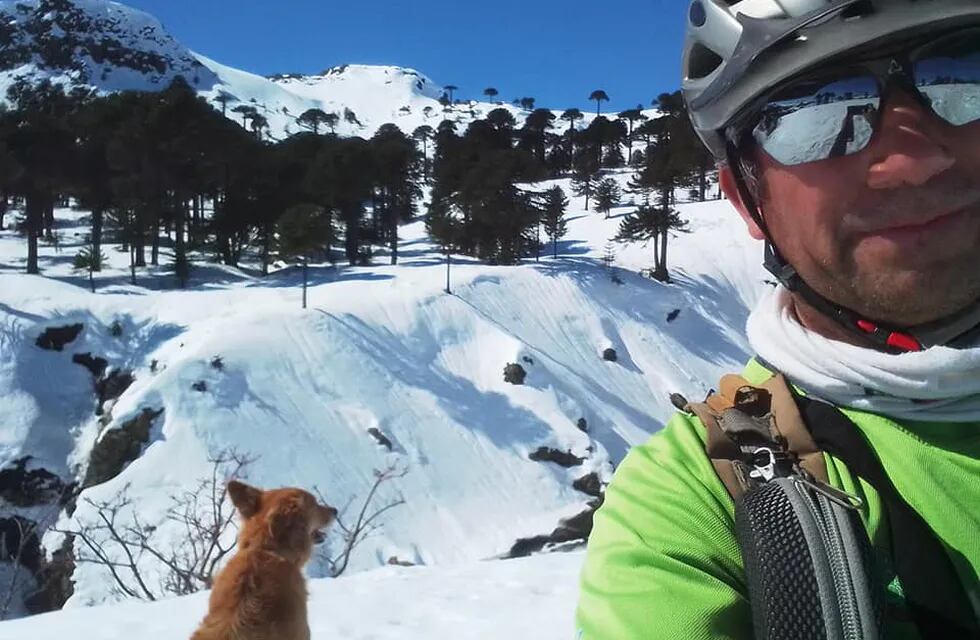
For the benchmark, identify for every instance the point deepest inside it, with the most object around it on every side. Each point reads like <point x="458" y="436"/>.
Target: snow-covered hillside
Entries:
<point x="111" y="47"/>
<point x="526" y="598"/>
<point x="382" y="347"/>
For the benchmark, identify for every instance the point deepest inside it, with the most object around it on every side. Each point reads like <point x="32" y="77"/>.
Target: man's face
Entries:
<point x="892" y="232"/>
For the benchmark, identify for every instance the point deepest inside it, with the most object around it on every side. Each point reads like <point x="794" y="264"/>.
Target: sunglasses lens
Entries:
<point x="819" y="118"/>
<point x="949" y="75"/>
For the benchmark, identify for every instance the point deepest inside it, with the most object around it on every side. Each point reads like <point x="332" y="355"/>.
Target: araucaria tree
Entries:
<point x="553" y="207"/>
<point x="303" y="231"/>
<point x="607" y="195"/>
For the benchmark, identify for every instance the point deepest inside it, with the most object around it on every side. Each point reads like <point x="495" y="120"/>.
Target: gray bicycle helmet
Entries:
<point x="735" y="50"/>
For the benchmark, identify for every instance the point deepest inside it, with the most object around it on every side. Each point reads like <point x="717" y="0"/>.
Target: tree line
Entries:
<point x="166" y="169"/>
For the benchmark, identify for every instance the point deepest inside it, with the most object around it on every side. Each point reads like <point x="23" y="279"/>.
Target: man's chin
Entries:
<point x="912" y="299"/>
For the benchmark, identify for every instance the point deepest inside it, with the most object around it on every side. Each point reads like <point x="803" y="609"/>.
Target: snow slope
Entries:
<point x="528" y="598"/>
<point x="381" y="347"/>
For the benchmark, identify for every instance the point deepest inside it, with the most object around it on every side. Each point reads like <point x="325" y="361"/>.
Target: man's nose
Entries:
<point x="910" y="149"/>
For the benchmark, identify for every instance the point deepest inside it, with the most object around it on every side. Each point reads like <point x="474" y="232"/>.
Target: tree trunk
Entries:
<point x="4" y="205"/>
<point x="449" y="261"/>
<point x="97" y="220"/>
<point x="49" y="219"/>
<point x="267" y="248"/>
<point x="139" y="240"/>
<point x="351" y="238"/>
<point x="662" y="273"/>
<point x="702" y="181"/>
<point x="33" y="222"/>
<point x="304" y="281"/>
<point x="393" y="231"/>
<point x="91" y="279"/>
<point x="554" y="245"/>
<point x="155" y="245"/>
<point x="180" y="247"/>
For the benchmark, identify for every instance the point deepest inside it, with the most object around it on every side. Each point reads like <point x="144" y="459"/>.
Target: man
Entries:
<point x="876" y="241"/>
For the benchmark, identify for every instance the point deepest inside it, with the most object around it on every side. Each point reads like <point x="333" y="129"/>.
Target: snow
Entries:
<point x="532" y="597"/>
<point x="376" y="94"/>
<point x="381" y="346"/>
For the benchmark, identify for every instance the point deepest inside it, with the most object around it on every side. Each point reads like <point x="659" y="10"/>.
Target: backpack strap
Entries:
<point x="935" y="594"/>
<point x="741" y="418"/>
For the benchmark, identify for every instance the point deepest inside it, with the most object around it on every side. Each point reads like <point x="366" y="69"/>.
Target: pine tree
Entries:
<point x="351" y="118"/>
<point x="312" y="119"/>
<point x="302" y="231"/>
<point x="223" y="98"/>
<point x="396" y="182"/>
<point x="491" y="93"/>
<point x="599" y="96"/>
<point x="632" y="116"/>
<point x="90" y="260"/>
<point x="450" y="90"/>
<point x="652" y="223"/>
<point x="554" y="205"/>
<point x="247" y="112"/>
<point x="607" y="195"/>
<point x="424" y="134"/>
<point x="332" y="120"/>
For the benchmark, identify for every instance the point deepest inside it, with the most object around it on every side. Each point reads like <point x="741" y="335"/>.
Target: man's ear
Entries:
<point x="247" y="499"/>
<point x="726" y="180"/>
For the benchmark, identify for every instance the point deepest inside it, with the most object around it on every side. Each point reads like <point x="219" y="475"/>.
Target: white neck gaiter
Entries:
<point x="939" y="384"/>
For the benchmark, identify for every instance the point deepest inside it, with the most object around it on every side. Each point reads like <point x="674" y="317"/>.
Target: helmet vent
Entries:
<point x="702" y="61"/>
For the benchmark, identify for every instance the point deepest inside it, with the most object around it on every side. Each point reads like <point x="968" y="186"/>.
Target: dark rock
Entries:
<point x="19" y="537"/>
<point x="115" y="329"/>
<point x="380" y="437"/>
<point x="55" y="338"/>
<point x="582" y="425"/>
<point x="217" y="363"/>
<point x="394" y="561"/>
<point x="563" y="458"/>
<point x="576" y="528"/>
<point x="609" y="355"/>
<point x="118" y="447"/>
<point x="673" y="315"/>
<point x="514" y="373"/>
<point x="200" y="385"/>
<point x="528" y="360"/>
<point x="112" y="386"/>
<point x="28" y="488"/>
<point x="54" y="580"/>
<point x="95" y="365"/>
<point x="589" y="484"/>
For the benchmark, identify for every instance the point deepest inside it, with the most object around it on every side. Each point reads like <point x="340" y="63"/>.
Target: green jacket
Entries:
<point x="663" y="561"/>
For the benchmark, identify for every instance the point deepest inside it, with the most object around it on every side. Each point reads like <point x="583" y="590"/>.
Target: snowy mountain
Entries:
<point x="382" y="351"/>
<point x="92" y="42"/>
<point x="111" y="47"/>
<point x="127" y="392"/>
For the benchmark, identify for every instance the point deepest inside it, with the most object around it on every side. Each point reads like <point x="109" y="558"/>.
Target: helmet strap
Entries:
<point x="958" y="331"/>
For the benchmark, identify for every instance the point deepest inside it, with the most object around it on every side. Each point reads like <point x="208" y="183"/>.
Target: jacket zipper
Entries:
<point x="826" y="519"/>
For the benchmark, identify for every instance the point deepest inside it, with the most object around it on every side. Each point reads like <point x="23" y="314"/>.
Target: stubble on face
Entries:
<point x="841" y="236"/>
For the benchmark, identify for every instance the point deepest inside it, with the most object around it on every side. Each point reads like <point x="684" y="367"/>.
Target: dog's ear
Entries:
<point x="289" y="525"/>
<point x="247" y="499"/>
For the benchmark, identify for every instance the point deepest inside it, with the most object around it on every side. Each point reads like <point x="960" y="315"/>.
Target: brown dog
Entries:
<point x="261" y="593"/>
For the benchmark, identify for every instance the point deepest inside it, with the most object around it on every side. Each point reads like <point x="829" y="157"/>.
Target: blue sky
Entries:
<point x="556" y="52"/>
